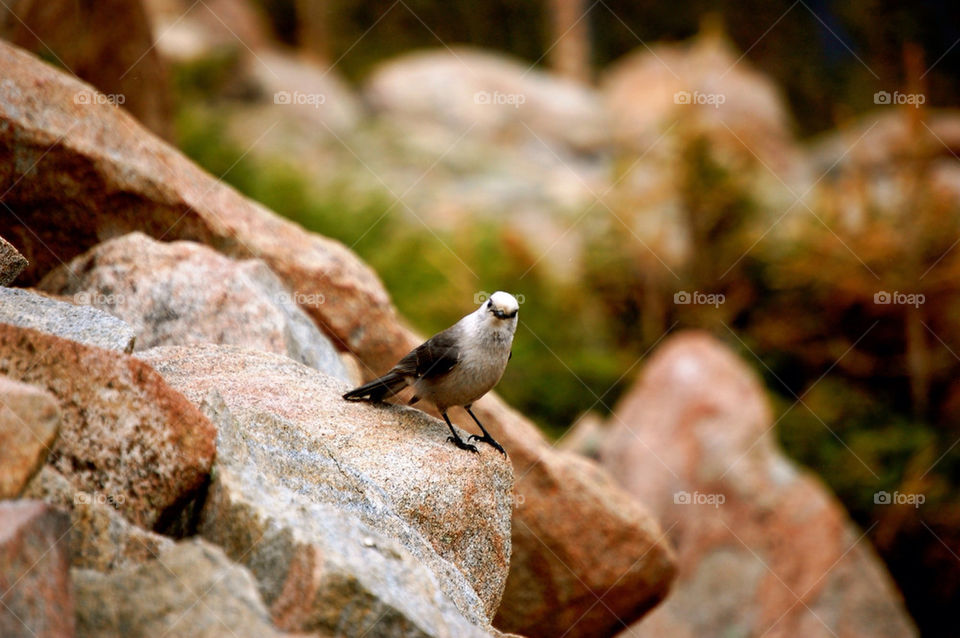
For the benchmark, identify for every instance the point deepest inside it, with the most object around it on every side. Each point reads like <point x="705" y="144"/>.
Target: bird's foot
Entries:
<point x="462" y="445"/>
<point x="489" y="440"/>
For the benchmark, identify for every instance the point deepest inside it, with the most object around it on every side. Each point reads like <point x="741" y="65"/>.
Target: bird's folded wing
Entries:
<point x="434" y="358"/>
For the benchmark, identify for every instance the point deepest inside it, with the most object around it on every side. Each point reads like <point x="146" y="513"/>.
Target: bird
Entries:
<point x="455" y="367"/>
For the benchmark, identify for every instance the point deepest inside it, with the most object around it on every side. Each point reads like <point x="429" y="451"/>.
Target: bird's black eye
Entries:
<point x="490" y="304"/>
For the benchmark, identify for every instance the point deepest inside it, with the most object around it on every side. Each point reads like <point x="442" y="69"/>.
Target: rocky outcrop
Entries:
<point x="182" y="293"/>
<point x="34" y="572"/>
<point x="100" y="175"/>
<point x="763" y="547"/>
<point x="11" y="263"/>
<point x="192" y="589"/>
<point x="375" y="499"/>
<point x="100" y="537"/>
<point x="123" y="432"/>
<point x="99" y="180"/>
<point x="77" y="322"/>
<point x="29" y="418"/>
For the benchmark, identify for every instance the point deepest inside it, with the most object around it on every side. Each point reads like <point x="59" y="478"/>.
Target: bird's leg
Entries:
<point x="456" y="440"/>
<point x="486" y="438"/>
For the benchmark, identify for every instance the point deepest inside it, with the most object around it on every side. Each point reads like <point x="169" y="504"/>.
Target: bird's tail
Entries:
<point x="378" y="389"/>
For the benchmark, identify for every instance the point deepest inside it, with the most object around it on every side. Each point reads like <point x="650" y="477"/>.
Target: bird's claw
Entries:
<point x="463" y="446"/>
<point x="488" y="440"/>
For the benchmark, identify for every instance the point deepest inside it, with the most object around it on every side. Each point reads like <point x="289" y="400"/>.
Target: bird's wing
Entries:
<point x="433" y="358"/>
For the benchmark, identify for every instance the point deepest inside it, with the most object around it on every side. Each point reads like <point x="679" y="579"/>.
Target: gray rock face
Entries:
<point x="330" y="502"/>
<point x="81" y="323"/>
<point x="34" y="572"/>
<point x="192" y="590"/>
<point x="100" y="537"/>
<point x="182" y="292"/>
<point x="29" y="419"/>
<point x="11" y="262"/>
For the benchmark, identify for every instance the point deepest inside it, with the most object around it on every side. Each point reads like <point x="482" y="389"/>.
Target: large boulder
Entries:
<point x="34" y="572"/>
<point x="11" y="263"/>
<point x="181" y="293"/>
<point x="192" y="590"/>
<point x="329" y="501"/>
<point x="100" y="537"/>
<point x="763" y="547"/>
<point x="124" y="433"/>
<point x="490" y="94"/>
<point x="83" y="39"/>
<point x="82" y="322"/>
<point x="29" y="419"/>
<point x="97" y="177"/>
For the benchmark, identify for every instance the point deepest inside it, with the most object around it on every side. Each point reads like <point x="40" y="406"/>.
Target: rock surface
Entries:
<point x="182" y="293"/>
<point x="100" y="537"/>
<point x="81" y="323"/>
<point x="83" y="38"/>
<point x="100" y="175"/>
<point x="123" y="432"/>
<point x="12" y="263"/>
<point x="37" y="598"/>
<point x="763" y="548"/>
<point x="98" y="180"/>
<point x="29" y="418"/>
<point x="192" y="590"/>
<point x="328" y="500"/>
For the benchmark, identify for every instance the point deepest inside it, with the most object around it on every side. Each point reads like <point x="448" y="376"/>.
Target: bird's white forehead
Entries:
<point x="504" y="301"/>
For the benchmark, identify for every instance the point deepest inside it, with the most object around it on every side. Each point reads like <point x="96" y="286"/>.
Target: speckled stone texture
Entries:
<point x="779" y="557"/>
<point x="374" y="494"/>
<point x="192" y="590"/>
<point x="81" y="322"/>
<point x="12" y="263"/>
<point x="100" y="537"/>
<point x="34" y="572"/>
<point x="29" y="419"/>
<point x="124" y="433"/>
<point x="181" y="292"/>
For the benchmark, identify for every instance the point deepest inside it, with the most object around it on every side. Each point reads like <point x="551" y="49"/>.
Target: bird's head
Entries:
<point x="502" y="305"/>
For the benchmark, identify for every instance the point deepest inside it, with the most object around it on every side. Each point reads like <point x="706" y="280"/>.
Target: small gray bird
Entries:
<point x="456" y="366"/>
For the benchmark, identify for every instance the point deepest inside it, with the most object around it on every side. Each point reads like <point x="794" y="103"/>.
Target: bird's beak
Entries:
<point x="499" y="314"/>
